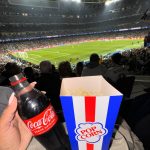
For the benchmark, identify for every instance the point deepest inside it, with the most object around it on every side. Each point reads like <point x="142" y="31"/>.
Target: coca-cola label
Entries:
<point x="42" y="122"/>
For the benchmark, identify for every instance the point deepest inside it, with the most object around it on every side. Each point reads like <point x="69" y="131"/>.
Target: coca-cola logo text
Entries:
<point x="47" y="117"/>
<point x="43" y="121"/>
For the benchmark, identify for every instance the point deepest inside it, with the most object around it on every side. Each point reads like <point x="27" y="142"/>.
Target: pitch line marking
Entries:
<point x="60" y="56"/>
<point x="57" y="52"/>
<point x="34" y="60"/>
<point x="35" y="55"/>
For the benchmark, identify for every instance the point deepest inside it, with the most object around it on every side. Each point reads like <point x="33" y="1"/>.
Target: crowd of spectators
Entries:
<point x="55" y="41"/>
<point x="27" y="21"/>
<point x="129" y="62"/>
<point x="115" y="70"/>
<point x="4" y="36"/>
<point x="136" y="61"/>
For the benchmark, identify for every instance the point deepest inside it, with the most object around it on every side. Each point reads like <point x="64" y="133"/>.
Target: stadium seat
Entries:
<point x="141" y="129"/>
<point x="125" y="85"/>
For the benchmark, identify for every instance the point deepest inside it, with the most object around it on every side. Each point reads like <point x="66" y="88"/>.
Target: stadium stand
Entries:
<point x="37" y="21"/>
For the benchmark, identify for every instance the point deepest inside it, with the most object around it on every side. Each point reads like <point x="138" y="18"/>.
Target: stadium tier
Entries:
<point x="31" y="19"/>
<point x="147" y="40"/>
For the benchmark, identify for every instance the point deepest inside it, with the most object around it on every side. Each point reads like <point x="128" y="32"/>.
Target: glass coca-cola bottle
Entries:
<point x="39" y="115"/>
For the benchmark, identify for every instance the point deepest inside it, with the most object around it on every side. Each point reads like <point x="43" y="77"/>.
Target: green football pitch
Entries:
<point x="77" y="52"/>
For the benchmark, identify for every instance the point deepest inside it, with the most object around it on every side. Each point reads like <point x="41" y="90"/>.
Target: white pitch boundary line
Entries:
<point x="54" y="52"/>
<point x="49" y="51"/>
<point x="34" y="60"/>
<point x="35" y="55"/>
<point x="60" y="56"/>
<point x="45" y="58"/>
<point x="29" y="58"/>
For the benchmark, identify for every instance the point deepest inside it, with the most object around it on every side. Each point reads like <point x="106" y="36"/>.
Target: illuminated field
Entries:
<point x="78" y="52"/>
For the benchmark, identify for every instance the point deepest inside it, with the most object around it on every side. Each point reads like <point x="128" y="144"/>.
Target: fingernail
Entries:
<point x="11" y="98"/>
<point x="43" y="92"/>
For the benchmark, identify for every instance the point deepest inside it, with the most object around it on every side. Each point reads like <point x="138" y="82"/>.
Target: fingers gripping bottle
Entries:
<point x="39" y="115"/>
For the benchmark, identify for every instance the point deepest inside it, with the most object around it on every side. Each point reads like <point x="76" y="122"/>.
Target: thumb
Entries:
<point x="9" y="112"/>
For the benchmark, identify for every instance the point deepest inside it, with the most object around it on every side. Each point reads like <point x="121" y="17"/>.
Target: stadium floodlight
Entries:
<point x="78" y="1"/>
<point x="66" y="0"/>
<point x="109" y="2"/>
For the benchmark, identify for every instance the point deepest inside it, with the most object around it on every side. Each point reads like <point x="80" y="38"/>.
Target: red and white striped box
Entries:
<point x="90" y="105"/>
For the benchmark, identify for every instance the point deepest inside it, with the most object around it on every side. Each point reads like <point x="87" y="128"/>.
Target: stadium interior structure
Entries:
<point x="58" y="17"/>
<point x="74" y="37"/>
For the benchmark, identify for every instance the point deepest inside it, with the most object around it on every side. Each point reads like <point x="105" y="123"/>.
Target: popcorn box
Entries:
<point x="90" y="106"/>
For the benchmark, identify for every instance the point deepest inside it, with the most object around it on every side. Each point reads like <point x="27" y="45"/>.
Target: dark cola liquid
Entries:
<point x="33" y="103"/>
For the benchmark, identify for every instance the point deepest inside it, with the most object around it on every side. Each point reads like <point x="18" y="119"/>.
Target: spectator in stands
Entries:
<point x="94" y="67"/>
<point x="65" y="70"/>
<point x="116" y="71"/>
<point x="79" y="68"/>
<point x="10" y="70"/>
<point x="2" y="78"/>
<point x="29" y="73"/>
<point x="55" y="71"/>
<point x="49" y="82"/>
<point x="132" y="63"/>
<point x="146" y="68"/>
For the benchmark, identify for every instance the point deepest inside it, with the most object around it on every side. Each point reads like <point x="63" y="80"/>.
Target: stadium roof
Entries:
<point x="82" y="1"/>
<point x="93" y="1"/>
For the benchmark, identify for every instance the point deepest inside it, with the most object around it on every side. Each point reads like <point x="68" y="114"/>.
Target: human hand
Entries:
<point x="14" y="135"/>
